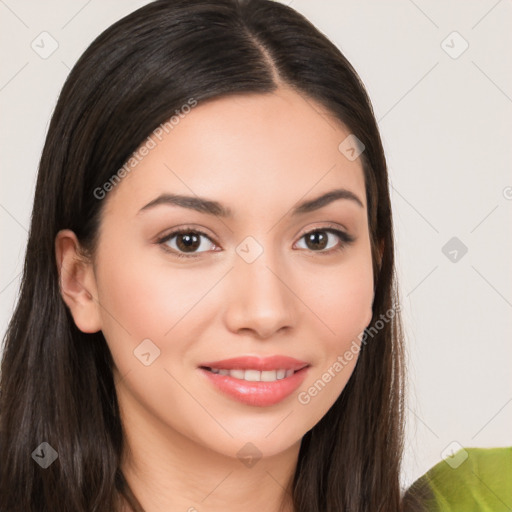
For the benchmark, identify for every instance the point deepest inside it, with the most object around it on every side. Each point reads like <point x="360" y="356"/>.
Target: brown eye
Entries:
<point x="187" y="242"/>
<point x="318" y="240"/>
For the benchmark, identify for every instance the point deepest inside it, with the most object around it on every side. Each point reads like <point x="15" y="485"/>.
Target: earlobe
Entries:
<point x="77" y="282"/>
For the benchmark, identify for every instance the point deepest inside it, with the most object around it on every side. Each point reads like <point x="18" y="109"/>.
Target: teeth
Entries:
<point x="255" y="375"/>
<point x="269" y="376"/>
<point x="252" y="375"/>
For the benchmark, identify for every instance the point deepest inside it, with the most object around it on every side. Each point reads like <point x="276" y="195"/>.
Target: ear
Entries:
<point x="77" y="282"/>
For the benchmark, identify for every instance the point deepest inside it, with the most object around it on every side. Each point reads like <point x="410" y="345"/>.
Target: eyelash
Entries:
<point x="345" y="238"/>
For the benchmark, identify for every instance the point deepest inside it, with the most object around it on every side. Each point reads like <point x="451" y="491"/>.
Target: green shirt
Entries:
<point x="471" y="480"/>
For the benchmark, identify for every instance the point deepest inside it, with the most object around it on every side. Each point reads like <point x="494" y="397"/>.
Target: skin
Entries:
<point x="259" y="155"/>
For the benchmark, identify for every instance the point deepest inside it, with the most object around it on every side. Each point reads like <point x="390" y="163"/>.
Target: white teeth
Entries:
<point x="237" y="374"/>
<point x="269" y="376"/>
<point x="255" y="375"/>
<point x="252" y="375"/>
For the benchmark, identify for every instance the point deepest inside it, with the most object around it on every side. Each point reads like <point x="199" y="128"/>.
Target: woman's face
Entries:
<point x="249" y="284"/>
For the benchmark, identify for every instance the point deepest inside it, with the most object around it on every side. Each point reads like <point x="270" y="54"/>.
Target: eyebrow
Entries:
<point x="211" y="207"/>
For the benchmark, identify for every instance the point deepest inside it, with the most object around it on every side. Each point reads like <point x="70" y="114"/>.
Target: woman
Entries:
<point x="208" y="315"/>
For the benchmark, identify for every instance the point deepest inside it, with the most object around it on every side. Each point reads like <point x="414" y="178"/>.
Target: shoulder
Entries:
<point x="470" y="479"/>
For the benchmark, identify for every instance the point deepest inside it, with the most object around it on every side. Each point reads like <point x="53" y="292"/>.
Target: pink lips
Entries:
<point x="256" y="393"/>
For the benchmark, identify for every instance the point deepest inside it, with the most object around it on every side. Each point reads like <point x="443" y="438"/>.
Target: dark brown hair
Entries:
<point x="56" y="382"/>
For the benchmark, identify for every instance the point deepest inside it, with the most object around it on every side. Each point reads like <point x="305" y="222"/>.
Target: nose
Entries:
<point x="260" y="298"/>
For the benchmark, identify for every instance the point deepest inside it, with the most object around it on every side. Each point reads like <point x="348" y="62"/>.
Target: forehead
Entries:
<point x="243" y="150"/>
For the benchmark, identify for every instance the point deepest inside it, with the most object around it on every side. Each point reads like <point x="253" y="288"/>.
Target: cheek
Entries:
<point x="343" y="302"/>
<point x="143" y="300"/>
<point x="342" y="299"/>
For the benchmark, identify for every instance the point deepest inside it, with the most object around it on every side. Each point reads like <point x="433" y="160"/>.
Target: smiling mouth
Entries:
<point x="257" y="382"/>
<point x="251" y="375"/>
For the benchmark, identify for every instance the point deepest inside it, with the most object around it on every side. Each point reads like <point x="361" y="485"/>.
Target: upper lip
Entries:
<point x="257" y="363"/>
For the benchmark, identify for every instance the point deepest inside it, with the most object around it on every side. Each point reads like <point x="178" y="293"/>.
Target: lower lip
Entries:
<point x="259" y="394"/>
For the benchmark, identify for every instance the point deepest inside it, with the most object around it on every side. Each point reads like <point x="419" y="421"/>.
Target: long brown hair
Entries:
<point x="56" y="382"/>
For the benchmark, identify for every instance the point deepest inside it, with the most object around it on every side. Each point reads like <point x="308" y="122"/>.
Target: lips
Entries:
<point x="257" y="381"/>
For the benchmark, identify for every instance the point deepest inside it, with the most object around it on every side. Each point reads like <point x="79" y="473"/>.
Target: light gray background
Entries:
<point x="446" y="126"/>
